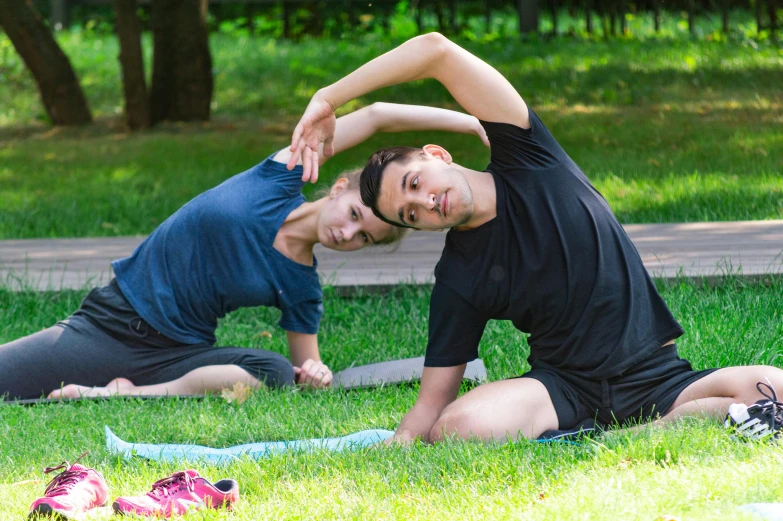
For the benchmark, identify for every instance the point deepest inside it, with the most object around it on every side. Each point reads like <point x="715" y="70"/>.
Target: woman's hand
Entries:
<point x="313" y="374"/>
<point x="314" y="129"/>
<point x="481" y="133"/>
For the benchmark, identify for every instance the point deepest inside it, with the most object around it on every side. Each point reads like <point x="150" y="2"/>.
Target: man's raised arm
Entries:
<point x="474" y="84"/>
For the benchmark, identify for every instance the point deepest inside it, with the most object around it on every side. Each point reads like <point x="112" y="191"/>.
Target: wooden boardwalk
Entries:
<point x="748" y="248"/>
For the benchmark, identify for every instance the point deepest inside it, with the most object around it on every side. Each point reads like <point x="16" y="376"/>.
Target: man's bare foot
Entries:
<point x="116" y="386"/>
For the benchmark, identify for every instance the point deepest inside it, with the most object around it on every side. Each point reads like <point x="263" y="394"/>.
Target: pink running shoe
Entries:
<point x="179" y="494"/>
<point x="73" y="491"/>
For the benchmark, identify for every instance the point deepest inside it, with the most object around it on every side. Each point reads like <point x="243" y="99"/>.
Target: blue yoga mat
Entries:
<point x="175" y="452"/>
<point x="767" y="511"/>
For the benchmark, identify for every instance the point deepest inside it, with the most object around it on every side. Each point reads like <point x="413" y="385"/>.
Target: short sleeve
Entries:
<point x="515" y="147"/>
<point x="303" y="317"/>
<point x="455" y="329"/>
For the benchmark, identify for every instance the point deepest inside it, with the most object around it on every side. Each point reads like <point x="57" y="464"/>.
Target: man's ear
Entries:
<point x="439" y="152"/>
<point x="338" y="187"/>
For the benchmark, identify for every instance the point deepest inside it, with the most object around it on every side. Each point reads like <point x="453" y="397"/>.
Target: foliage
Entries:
<point x="668" y="130"/>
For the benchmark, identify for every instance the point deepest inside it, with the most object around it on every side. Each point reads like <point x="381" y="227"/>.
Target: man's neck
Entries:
<point x="482" y="186"/>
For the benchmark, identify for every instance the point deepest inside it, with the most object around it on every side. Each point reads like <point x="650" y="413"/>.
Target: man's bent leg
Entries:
<point x="508" y="409"/>
<point x="712" y="395"/>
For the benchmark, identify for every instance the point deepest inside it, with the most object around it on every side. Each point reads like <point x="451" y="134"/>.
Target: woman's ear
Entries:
<point x="439" y="152"/>
<point x="338" y="187"/>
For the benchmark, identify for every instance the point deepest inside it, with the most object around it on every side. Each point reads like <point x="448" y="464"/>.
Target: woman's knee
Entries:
<point x="272" y="369"/>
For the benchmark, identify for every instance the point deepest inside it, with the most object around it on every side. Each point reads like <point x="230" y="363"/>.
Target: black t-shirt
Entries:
<point x="555" y="261"/>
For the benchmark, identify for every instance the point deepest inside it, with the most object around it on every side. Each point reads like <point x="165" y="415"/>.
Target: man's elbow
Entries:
<point x="435" y="44"/>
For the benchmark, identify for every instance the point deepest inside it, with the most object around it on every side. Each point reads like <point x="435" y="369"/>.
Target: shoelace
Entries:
<point x="163" y="486"/>
<point x="773" y="407"/>
<point x="63" y="481"/>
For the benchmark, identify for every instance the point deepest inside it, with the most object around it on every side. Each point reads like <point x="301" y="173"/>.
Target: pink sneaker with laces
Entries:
<point x="179" y="494"/>
<point x="72" y="492"/>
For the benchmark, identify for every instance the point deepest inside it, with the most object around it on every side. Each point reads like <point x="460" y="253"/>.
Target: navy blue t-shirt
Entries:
<point x="554" y="261"/>
<point x="216" y="254"/>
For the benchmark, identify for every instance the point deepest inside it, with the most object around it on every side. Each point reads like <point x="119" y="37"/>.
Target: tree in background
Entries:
<point x="137" y="106"/>
<point x="528" y="16"/>
<point x="60" y="90"/>
<point x="182" y="65"/>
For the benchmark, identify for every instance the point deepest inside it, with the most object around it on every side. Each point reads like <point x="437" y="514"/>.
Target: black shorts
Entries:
<point x="640" y="394"/>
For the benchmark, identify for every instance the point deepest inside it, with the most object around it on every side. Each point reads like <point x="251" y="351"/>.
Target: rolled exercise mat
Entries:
<point x="397" y="372"/>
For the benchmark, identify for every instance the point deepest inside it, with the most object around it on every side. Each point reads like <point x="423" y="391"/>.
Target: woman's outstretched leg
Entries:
<point x="203" y="380"/>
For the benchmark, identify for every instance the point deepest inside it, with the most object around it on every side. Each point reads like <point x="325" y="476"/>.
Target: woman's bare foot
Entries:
<point x="116" y="386"/>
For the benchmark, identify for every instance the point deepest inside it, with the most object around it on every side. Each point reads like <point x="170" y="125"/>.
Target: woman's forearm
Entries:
<point x="391" y="117"/>
<point x="303" y="347"/>
<point x="356" y="127"/>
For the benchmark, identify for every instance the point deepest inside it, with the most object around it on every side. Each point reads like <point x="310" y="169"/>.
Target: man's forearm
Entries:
<point x="417" y="423"/>
<point x="411" y="61"/>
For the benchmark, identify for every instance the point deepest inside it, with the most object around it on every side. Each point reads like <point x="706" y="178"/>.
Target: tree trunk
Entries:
<point x="554" y="6"/>
<point x="724" y="12"/>
<point x="250" y="16"/>
<point x="137" y="108"/>
<point x="286" y="19"/>
<point x="441" y="15"/>
<point x="453" y="8"/>
<point x="692" y="17"/>
<point x="773" y="17"/>
<point x="351" y="7"/>
<point x="182" y="66"/>
<point x="657" y="15"/>
<point x="613" y="18"/>
<point x="759" y="24"/>
<point x="487" y="17"/>
<point x="528" y="16"/>
<point x="623" y="20"/>
<point x="59" y="18"/>
<point x="60" y="91"/>
<point x="588" y="16"/>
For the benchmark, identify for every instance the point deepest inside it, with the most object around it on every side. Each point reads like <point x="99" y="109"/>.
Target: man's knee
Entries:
<point x="508" y="409"/>
<point x="755" y="378"/>
<point x="453" y="421"/>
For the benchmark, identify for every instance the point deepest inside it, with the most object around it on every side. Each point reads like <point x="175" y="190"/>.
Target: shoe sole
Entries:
<point x="44" y="510"/>
<point x="116" y="508"/>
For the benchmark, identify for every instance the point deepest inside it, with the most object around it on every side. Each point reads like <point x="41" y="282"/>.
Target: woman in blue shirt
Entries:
<point x="247" y="242"/>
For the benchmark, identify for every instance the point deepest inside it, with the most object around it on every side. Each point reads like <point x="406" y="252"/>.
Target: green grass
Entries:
<point x="669" y="130"/>
<point x="692" y="469"/>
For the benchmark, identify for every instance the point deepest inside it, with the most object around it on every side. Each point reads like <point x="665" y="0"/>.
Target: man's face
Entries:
<point x="427" y="193"/>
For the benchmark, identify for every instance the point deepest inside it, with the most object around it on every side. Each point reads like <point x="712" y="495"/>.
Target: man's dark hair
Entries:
<point x="372" y="175"/>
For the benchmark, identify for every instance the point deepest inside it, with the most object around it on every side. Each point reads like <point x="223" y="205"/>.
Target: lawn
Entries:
<point x="693" y="470"/>
<point x="669" y="130"/>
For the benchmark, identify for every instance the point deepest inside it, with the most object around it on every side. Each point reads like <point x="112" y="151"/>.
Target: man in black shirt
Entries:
<point x="531" y="241"/>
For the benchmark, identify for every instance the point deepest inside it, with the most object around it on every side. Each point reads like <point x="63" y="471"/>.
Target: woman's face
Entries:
<point x="345" y="224"/>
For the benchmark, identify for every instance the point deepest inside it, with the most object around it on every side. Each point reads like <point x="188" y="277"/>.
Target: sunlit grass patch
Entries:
<point x="691" y="470"/>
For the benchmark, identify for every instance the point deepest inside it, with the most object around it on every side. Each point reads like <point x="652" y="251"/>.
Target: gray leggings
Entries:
<point x="106" y="339"/>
